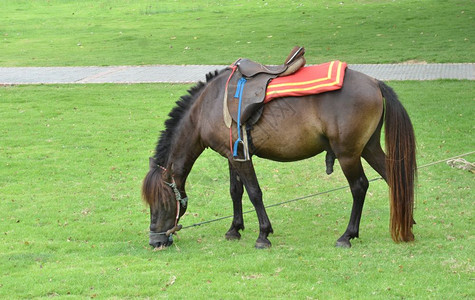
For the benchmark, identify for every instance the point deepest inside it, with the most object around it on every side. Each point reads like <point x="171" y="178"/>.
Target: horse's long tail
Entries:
<point x="401" y="165"/>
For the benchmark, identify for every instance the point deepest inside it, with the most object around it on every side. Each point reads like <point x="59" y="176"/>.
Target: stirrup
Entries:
<point x="245" y="147"/>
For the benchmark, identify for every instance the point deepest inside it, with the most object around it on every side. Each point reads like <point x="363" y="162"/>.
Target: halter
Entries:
<point x="179" y="202"/>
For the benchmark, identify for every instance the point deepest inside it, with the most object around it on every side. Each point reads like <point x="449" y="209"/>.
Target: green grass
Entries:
<point x="89" y="32"/>
<point x="72" y="158"/>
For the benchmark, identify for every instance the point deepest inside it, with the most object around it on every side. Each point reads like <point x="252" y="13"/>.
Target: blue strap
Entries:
<point x="240" y="86"/>
<point x="239" y="89"/>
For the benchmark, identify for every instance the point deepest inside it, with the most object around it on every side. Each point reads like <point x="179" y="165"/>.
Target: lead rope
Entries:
<point x="320" y="193"/>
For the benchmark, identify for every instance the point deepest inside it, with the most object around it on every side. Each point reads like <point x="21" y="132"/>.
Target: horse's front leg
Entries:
<point x="236" y="189"/>
<point x="246" y="173"/>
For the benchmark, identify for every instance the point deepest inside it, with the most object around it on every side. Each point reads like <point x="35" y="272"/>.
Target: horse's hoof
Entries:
<point x="263" y="244"/>
<point x="343" y="244"/>
<point x="233" y="235"/>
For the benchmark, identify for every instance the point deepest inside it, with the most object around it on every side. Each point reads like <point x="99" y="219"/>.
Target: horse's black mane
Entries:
<point x="176" y="114"/>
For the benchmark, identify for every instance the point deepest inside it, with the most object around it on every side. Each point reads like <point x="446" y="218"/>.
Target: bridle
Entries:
<point x="180" y="201"/>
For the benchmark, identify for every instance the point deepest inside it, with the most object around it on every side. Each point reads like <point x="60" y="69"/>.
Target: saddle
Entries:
<point x="257" y="77"/>
<point x="246" y="90"/>
<point x="293" y="62"/>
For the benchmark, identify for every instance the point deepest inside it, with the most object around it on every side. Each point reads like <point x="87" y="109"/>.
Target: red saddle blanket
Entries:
<point x="308" y="81"/>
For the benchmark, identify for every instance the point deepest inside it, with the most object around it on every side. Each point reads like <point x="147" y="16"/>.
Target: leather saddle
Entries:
<point x="254" y="90"/>
<point x="293" y="62"/>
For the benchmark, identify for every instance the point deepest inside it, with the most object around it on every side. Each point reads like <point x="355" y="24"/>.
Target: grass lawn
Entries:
<point x="89" y="32"/>
<point x="72" y="158"/>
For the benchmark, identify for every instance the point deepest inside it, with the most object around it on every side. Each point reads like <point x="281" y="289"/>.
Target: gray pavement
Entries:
<point x="194" y="73"/>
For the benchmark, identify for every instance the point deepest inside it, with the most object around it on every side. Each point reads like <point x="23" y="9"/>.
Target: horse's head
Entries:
<point x="166" y="205"/>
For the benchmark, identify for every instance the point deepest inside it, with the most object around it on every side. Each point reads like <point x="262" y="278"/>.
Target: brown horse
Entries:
<point x="345" y="123"/>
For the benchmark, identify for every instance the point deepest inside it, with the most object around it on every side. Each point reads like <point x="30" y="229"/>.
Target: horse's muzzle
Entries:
<point x="157" y="240"/>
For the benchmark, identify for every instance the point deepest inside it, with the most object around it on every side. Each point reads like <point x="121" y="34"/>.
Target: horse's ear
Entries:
<point x="152" y="163"/>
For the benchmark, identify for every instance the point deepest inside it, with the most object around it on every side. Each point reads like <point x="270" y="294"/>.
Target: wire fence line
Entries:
<point x="322" y="193"/>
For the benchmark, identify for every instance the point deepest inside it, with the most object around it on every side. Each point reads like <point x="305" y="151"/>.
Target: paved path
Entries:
<point x="194" y="73"/>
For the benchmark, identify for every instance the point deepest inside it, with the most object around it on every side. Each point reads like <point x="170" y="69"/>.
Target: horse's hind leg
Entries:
<point x="374" y="154"/>
<point x="359" y="184"/>
<point x="236" y="189"/>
